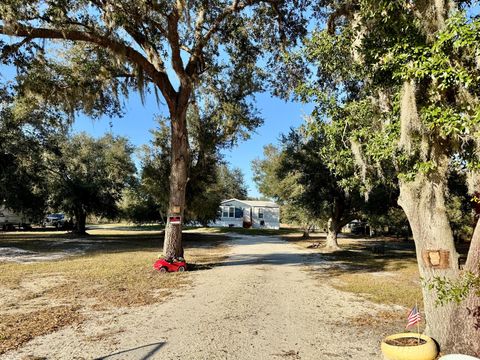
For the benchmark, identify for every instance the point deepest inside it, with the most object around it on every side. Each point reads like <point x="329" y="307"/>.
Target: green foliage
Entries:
<point x="82" y="55"/>
<point x="211" y="180"/>
<point x="305" y="176"/>
<point x="88" y="175"/>
<point x="43" y="166"/>
<point x="448" y="67"/>
<point x="360" y="69"/>
<point x="139" y="207"/>
<point x="77" y="78"/>
<point x="284" y="187"/>
<point x="448" y="290"/>
<point x="24" y="139"/>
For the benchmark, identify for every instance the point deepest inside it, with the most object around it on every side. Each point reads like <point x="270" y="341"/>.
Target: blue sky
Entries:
<point x="139" y="119"/>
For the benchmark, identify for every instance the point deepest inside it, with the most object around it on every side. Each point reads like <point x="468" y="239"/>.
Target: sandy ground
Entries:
<point x="261" y="303"/>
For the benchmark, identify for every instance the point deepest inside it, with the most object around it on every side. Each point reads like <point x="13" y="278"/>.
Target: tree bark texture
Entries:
<point x="465" y="321"/>
<point x="334" y="224"/>
<point x="423" y="201"/>
<point x="332" y="231"/>
<point x="180" y="161"/>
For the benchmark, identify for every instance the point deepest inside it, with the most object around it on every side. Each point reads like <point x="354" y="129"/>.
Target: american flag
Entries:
<point x="413" y="317"/>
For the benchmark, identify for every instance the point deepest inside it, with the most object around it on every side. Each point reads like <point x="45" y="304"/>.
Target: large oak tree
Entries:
<point x="404" y="76"/>
<point x="173" y="45"/>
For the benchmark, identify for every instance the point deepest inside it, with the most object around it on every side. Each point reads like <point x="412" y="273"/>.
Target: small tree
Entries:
<point x="302" y="177"/>
<point x="331" y="190"/>
<point x="88" y="176"/>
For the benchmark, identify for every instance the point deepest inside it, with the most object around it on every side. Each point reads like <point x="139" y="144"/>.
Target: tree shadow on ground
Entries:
<point x="104" y="243"/>
<point x="359" y="258"/>
<point x="143" y="352"/>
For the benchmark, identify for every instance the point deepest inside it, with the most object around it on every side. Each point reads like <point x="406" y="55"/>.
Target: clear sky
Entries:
<point x="139" y="119"/>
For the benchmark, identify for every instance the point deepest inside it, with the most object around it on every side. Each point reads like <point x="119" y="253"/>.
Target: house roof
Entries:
<point x="254" y="203"/>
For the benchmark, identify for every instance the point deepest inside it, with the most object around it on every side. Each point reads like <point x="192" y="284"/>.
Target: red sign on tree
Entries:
<point x="175" y="220"/>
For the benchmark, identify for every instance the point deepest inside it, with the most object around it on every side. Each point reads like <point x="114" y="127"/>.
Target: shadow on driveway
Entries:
<point x="143" y="352"/>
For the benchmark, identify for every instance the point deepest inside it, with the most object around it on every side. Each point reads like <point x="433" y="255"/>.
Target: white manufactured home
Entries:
<point x="248" y="213"/>
<point x="10" y="219"/>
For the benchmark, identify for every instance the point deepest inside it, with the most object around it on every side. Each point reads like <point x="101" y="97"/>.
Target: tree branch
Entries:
<point x="200" y="42"/>
<point x="150" y="50"/>
<point x="159" y="78"/>
<point x="15" y="47"/>
<point x="174" y="41"/>
<point x="235" y="7"/>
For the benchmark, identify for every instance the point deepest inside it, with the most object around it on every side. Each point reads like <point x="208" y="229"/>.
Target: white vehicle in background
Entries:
<point x="54" y="220"/>
<point x="9" y="220"/>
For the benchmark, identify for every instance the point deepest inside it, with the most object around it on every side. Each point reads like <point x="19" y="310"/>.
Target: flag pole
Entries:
<point x="418" y="322"/>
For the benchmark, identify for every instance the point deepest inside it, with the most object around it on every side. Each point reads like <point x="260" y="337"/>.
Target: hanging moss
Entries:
<point x="361" y="162"/>
<point x="409" y="119"/>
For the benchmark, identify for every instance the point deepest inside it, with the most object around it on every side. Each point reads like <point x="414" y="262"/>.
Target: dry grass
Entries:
<point x="250" y="232"/>
<point x="38" y="298"/>
<point x="399" y="287"/>
<point x="16" y="329"/>
<point x="381" y="270"/>
<point x="384" y="271"/>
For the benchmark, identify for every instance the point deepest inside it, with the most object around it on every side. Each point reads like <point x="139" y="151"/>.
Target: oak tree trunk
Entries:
<point x="332" y="231"/>
<point x="334" y="224"/>
<point x="423" y="201"/>
<point x="465" y="321"/>
<point x="172" y="246"/>
<point x="306" y="232"/>
<point x="81" y="219"/>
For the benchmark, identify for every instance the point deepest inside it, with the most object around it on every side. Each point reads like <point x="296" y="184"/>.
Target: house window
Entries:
<point x="225" y="212"/>
<point x="260" y="213"/>
<point x="232" y="212"/>
<point x="238" y="213"/>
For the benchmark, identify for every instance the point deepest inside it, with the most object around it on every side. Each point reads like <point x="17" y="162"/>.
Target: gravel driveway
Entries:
<point x="260" y="303"/>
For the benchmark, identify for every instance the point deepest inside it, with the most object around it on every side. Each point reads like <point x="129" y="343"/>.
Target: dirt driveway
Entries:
<point x="260" y="303"/>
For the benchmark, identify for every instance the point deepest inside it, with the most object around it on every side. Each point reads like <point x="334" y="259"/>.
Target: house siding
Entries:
<point x="271" y="215"/>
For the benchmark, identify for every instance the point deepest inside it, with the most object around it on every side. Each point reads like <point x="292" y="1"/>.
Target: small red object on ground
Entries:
<point x="170" y="265"/>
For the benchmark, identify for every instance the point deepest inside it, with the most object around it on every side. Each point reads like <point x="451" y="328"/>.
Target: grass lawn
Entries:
<point x="211" y="230"/>
<point x="114" y="271"/>
<point x="380" y="270"/>
<point x="383" y="270"/>
<point x="251" y="232"/>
